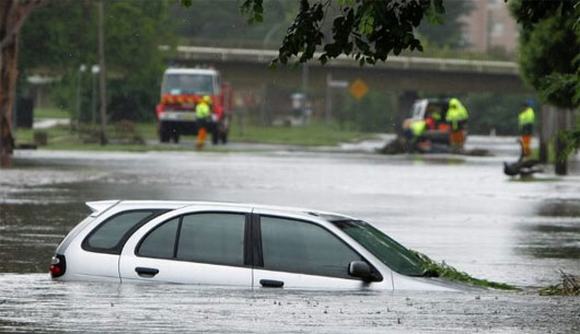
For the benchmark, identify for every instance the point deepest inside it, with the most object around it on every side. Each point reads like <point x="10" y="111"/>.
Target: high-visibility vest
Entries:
<point x="527" y="117"/>
<point x="456" y="113"/>
<point x="202" y="110"/>
<point x="418" y="127"/>
<point x="436" y="115"/>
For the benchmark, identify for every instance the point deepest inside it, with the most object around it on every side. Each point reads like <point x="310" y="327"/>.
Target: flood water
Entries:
<point x="462" y="210"/>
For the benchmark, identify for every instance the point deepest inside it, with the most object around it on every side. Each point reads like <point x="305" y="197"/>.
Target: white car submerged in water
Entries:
<point x="242" y="245"/>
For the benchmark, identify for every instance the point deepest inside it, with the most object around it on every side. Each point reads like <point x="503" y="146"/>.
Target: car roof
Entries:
<point x="99" y="207"/>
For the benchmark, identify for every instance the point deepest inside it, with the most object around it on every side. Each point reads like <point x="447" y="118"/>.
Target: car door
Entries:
<point x="299" y="254"/>
<point x="195" y="245"/>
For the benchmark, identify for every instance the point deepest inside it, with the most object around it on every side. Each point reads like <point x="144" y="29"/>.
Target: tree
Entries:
<point x="550" y="60"/>
<point x="13" y="14"/>
<point x="449" y="31"/>
<point x="367" y="30"/>
<point x="66" y="32"/>
<point x="198" y="23"/>
<point x="549" y="50"/>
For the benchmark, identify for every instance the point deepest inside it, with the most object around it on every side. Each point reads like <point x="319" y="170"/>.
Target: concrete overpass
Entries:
<point x="248" y="72"/>
<point x="429" y="75"/>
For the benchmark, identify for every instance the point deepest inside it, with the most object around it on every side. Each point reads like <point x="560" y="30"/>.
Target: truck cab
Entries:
<point x="181" y="90"/>
<point x="433" y="111"/>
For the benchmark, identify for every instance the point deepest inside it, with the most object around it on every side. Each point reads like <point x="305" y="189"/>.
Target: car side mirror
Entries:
<point x="360" y="269"/>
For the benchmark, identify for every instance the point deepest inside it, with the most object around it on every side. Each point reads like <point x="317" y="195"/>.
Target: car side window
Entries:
<point x="111" y="235"/>
<point x="216" y="238"/>
<point x="301" y="247"/>
<point x="160" y="242"/>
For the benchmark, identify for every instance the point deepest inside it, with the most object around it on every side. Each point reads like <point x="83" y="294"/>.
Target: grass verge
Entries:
<point x="50" y="113"/>
<point x="315" y="134"/>
<point x="139" y="137"/>
<point x="443" y="270"/>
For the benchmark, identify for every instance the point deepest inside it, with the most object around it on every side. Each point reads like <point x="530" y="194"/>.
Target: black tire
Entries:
<point x="164" y="133"/>
<point x="224" y="137"/>
<point x="215" y="137"/>
<point x="175" y="136"/>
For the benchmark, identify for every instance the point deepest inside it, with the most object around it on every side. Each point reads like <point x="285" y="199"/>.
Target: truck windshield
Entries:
<point x="176" y="84"/>
<point x="387" y="250"/>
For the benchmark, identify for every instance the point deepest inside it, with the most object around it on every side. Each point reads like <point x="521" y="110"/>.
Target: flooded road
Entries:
<point x="121" y="308"/>
<point x="462" y="210"/>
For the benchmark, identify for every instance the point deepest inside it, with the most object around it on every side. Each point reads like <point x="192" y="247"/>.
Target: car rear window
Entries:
<point x="110" y="236"/>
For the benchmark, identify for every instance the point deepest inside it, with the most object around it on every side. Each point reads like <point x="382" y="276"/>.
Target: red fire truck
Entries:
<point x="181" y="90"/>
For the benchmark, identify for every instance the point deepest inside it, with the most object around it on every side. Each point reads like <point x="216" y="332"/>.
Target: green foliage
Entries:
<point x="253" y="9"/>
<point x="443" y="270"/>
<point x="66" y="33"/>
<point x="314" y="134"/>
<point x="492" y="111"/>
<point x="569" y="286"/>
<point x="530" y="12"/>
<point x="219" y="23"/>
<point x="367" y="30"/>
<point x="445" y="30"/>
<point x="375" y="112"/>
<point x="571" y="140"/>
<point x="550" y="48"/>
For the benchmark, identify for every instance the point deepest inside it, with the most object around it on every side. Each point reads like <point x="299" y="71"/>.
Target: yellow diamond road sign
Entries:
<point x="358" y="89"/>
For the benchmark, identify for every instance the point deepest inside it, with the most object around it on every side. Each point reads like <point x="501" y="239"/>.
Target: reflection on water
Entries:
<point x="32" y="303"/>
<point x="561" y="208"/>
<point x="29" y="233"/>
<point x="555" y="234"/>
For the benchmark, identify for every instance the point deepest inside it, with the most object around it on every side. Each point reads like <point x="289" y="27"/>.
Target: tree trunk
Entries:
<point x="8" y="57"/>
<point x="12" y="16"/>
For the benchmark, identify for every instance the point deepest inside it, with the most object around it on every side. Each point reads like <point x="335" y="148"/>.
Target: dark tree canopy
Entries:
<point x="448" y="32"/>
<point x="549" y="53"/>
<point x="366" y="30"/>
<point x="66" y="32"/>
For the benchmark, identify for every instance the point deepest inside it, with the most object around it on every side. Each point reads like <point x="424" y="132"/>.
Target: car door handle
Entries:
<point x="146" y="272"/>
<point x="270" y="283"/>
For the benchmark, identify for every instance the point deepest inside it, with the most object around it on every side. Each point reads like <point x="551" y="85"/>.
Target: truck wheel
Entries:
<point x="175" y="136"/>
<point x="215" y="137"/>
<point x="224" y="137"/>
<point x="164" y="133"/>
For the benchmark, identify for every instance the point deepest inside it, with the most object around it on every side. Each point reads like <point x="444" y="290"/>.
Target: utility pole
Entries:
<point x="102" y="74"/>
<point x="95" y="72"/>
<point x="77" y="118"/>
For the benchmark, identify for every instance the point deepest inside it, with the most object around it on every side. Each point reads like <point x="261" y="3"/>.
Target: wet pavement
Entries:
<point x="462" y="210"/>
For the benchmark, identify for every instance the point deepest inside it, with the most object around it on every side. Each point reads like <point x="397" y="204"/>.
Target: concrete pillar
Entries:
<point x="404" y="104"/>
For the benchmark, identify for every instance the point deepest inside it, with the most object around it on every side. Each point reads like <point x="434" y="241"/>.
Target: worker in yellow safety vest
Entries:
<point x="418" y="128"/>
<point x="526" y="120"/>
<point x="457" y="117"/>
<point x="202" y="118"/>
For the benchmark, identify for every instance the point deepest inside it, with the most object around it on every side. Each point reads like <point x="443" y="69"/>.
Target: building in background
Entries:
<point x="490" y="27"/>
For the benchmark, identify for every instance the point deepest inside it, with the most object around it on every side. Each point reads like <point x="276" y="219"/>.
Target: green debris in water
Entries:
<point x="569" y="286"/>
<point x="443" y="270"/>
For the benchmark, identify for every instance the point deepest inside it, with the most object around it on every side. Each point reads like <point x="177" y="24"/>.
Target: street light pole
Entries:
<point x="94" y="70"/>
<point x="82" y="69"/>
<point x="102" y="74"/>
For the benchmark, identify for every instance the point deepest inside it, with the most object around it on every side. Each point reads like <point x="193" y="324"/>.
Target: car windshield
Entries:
<point x="176" y="84"/>
<point x="387" y="250"/>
